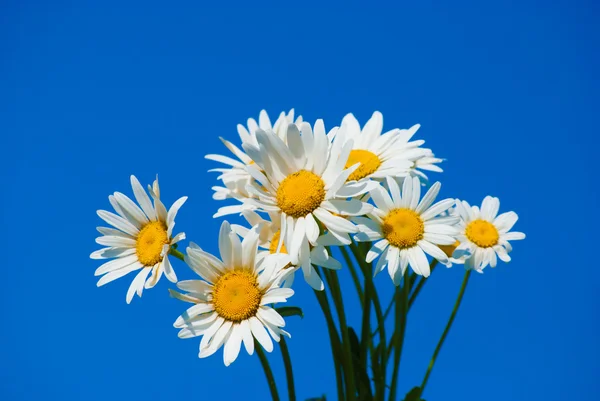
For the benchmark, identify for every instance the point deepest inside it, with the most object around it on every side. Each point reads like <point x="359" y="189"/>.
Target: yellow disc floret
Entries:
<point x="275" y="243"/>
<point x="482" y="233"/>
<point x="236" y="295"/>
<point x="150" y="241"/>
<point x="369" y="163"/>
<point x="403" y="228"/>
<point x="300" y="193"/>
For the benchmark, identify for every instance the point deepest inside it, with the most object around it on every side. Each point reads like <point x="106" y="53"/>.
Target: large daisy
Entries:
<point x="140" y="239"/>
<point x="303" y="181"/>
<point x="484" y="235"/>
<point x="231" y="302"/>
<point x="404" y="227"/>
<point x="234" y="177"/>
<point x="271" y="243"/>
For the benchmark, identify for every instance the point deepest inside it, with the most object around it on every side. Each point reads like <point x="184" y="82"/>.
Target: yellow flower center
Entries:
<point x="150" y="241"/>
<point x="300" y="193"/>
<point x="275" y="242"/>
<point x="236" y="295"/>
<point x="449" y="249"/>
<point x="403" y="228"/>
<point x="369" y="163"/>
<point x="482" y="233"/>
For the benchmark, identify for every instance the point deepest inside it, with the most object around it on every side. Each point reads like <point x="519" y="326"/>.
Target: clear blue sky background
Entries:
<point x="89" y="94"/>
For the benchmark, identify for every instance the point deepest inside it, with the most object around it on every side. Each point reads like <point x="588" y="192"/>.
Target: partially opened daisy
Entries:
<point x="231" y="302"/>
<point x="302" y="180"/>
<point x="271" y="243"/>
<point x="235" y="178"/>
<point x="404" y="227"/>
<point x="484" y="235"/>
<point x="140" y="239"/>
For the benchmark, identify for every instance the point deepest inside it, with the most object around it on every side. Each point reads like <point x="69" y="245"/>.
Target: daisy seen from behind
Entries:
<point x="304" y="181"/>
<point x="141" y="238"/>
<point x="484" y="235"/>
<point x="231" y="302"/>
<point x="405" y="227"/>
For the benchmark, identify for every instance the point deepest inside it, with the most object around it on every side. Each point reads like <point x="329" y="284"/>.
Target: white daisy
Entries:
<point x="302" y="180"/>
<point x="379" y="155"/>
<point x="141" y="238"/>
<point x="235" y="178"/>
<point x="405" y="228"/>
<point x="272" y="244"/>
<point x="231" y="302"/>
<point x="484" y="235"/>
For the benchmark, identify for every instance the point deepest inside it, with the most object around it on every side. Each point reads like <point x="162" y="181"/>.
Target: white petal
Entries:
<point x="437" y="208"/>
<point x="260" y="333"/>
<point x="169" y="272"/>
<point x="130" y="207"/>
<point x="418" y="261"/>
<point x="233" y="345"/>
<point x="489" y="208"/>
<point x="376" y="250"/>
<point x="142" y="198"/>
<point x="118" y="222"/>
<point x="428" y="198"/>
<point x="113" y="275"/>
<point x="247" y="336"/>
<point x="174" y="209"/>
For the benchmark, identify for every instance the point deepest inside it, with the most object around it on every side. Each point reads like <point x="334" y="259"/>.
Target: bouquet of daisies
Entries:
<point x="308" y="194"/>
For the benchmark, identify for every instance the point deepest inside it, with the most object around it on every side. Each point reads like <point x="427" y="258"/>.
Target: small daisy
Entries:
<point x="231" y="302"/>
<point x="141" y="239"/>
<point x="271" y="244"/>
<point x="379" y="155"/>
<point x="235" y="178"/>
<point x="484" y="235"/>
<point x="406" y="228"/>
<point x="302" y="181"/>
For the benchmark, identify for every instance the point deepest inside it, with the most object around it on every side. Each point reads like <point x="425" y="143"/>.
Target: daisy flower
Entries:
<point x="235" y="178"/>
<point x="302" y="181"/>
<point x="231" y="302"/>
<point x="484" y="235"/>
<point x="270" y="243"/>
<point x="404" y="228"/>
<point x="140" y="239"/>
<point x="379" y="155"/>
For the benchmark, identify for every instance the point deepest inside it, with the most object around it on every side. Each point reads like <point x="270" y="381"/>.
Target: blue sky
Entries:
<point x="89" y="94"/>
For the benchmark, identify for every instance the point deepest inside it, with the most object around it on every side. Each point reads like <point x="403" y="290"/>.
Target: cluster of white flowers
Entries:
<point x="302" y="190"/>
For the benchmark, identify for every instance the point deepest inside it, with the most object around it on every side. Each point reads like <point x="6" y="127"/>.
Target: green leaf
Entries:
<point x="414" y="395"/>
<point x="286" y="311"/>
<point x="321" y="398"/>
<point x="361" y="377"/>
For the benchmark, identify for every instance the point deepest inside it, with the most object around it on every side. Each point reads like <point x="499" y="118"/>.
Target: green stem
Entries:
<point x="334" y="286"/>
<point x="360" y="257"/>
<point x="177" y="254"/>
<point x="353" y="274"/>
<point x="463" y="287"/>
<point x="267" y="368"/>
<point x="287" y="362"/>
<point x="420" y="285"/>
<point x="401" y="314"/>
<point x="334" y="340"/>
